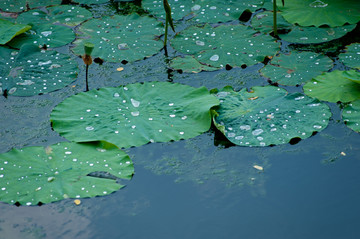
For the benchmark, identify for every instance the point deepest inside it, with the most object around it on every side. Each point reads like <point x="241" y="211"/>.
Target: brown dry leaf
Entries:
<point x="120" y="69"/>
<point x="77" y="201"/>
<point x="258" y="167"/>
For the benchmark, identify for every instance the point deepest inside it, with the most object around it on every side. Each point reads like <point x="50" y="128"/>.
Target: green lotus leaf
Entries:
<point x="37" y="174"/>
<point x="333" y="87"/>
<point x="120" y="38"/>
<point x="65" y="14"/>
<point x="226" y="44"/>
<point x="46" y="34"/>
<point x="263" y="22"/>
<point x="351" y="57"/>
<point x="209" y="11"/>
<point x="268" y="116"/>
<point x="9" y="30"/>
<point x="189" y="64"/>
<point x="351" y="115"/>
<point x="32" y="71"/>
<point x="135" y="114"/>
<point x="317" y="13"/>
<point x="352" y="75"/>
<point x="88" y="2"/>
<point x="296" y="67"/>
<point x="20" y="5"/>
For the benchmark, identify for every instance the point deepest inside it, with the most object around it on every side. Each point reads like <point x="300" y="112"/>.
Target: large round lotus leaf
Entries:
<point x="209" y="11"/>
<point x="333" y="87"/>
<point x="296" y="67"/>
<point x="189" y="64"/>
<point x="64" y="14"/>
<point x="9" y="30"/>
<point x="20" y="5"/>
<point x="46" y="34"/>
<point x="136" y="114"/>
<point x="263" y="22"/>
<point x="268" y="116"/>
<point x="351" y="57"/>
<point x="120" y="38"/>
<point x="351" y="115"/>
<point x="37" y="174"/>
<point x="352" y="75"/>
<point x="226" y="44"/>
<point x="332" y="13"/>
<point x="32" y="71"/>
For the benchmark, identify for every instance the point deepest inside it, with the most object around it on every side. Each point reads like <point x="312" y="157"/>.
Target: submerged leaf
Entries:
<point x="296" y="67"/>
<point x="35" y="174"/>
<point x="226" y="44"/>
<point x="189" y="64"/>
<point x="135" y="114"/>
<point x="32" y="71"/>
<point x="351" y="115"/>
<point x="268" y="116"/>
<point x="333" y="87"/>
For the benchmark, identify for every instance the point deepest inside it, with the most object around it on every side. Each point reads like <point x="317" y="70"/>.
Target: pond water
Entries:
<point x="203" y="187"/>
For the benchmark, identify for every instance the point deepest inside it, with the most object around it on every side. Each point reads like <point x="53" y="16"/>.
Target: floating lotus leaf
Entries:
<point x="333" y="87"/>
<point x="263" y="22"/>
<point x="268" y="116"/>
<point x="120" y="38"/>
<point x="227" y="44"/>
<point x="351" y="115"/>
<point x="20" y="5"/>
<point x="352" y="75"/>
<point x="37" y="174"/>
<point x="351" y="57"/>
<point x="296" y="67"/>
<point x="136" y="114"/>
<point x="32" y="71"/>
<point x="46" y="34"/>
<point x="65" y="14"/>
<point x="209" y="11"/>
<point x="88" y="2"/>
<point x="317" y="13"/>
<point x="9" y="30"/>
<point x="189" y="64"/>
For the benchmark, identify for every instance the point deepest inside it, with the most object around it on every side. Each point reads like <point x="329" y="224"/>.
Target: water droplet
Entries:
<point x="200" y="43"/>
<point x="133" y="126"/>
<point x="116" y="95"/>
<point x="89" y="128"/>
<point x="181" y="133"/>
<point x="287" y="75"/>
<point x="257" y="132"/>
<point x="135" y="103"/>
<point x="318" y="3"/>
<point x="184" y="117"/>
<point x="245" y="127"/>
<point x="195" y="8"/>
<point x="231" y="135"/>
<point x="172" y="116"/>
<point x="214" y="58"/>
<point x="317" y="126"/>
<point x="136" y="113"/>
<point x="68" y="152"/>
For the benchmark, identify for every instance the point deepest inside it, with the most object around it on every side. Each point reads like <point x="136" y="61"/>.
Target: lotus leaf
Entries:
<point x="317" y="13"/>
<point x="9" y="30"/>
<point x="296" y="67"/>
<point x="46" y="34"/>
<point x="135" y="114"/>
<point x="210" y="11"/>
<point x="32" y="71"/>
<point x="88" y="2"/>
<point x="263" y="22"/>
<point x="189" y="64"/>
<point x="238" y="45"/>
<point x="351" y="115"/>
<point x="120" y="38"/>
<point x="20" y="5"/>
<point x="268" y="116"/>
<point x="333" y="87"/>
<point x="352" y="75"/>
<point x="351" y="57"/>
<point x="37" y="174"/>
<point x="65" y="14"/>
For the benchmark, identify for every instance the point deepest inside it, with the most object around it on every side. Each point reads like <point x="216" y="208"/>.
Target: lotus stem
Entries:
<point x="88" y="48"/>
<point x="275" y="20"/>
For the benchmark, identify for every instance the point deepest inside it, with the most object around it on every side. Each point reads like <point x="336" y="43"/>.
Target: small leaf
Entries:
<point x="351" y="115"/>
<point x="9" y="30"/>
<point x="351" y="57"/>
